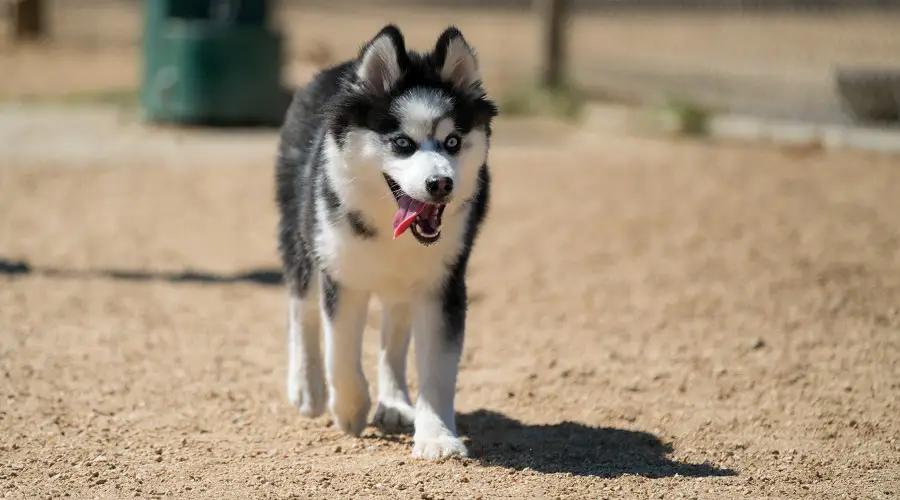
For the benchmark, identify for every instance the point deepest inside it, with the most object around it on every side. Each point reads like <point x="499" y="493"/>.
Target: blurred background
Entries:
<point x="687" y="286"/>
<point x="775" y="58"/>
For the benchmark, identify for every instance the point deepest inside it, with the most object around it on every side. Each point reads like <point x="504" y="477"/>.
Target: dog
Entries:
<point x="382" y="188"/>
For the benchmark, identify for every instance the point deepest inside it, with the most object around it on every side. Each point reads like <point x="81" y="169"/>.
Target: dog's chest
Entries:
<point x="388" y="267"/>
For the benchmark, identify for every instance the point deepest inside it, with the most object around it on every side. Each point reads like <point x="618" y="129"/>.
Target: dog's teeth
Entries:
<point x="431" y="234"/>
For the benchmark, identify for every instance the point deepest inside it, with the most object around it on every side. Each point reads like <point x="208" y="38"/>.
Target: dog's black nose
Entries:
<point x="438" y="186"/>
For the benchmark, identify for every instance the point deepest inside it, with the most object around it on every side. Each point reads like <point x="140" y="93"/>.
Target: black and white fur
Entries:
<point x="339" y="172"/>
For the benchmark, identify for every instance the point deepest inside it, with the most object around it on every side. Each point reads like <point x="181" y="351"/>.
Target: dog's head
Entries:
<point x="421" y="122"/>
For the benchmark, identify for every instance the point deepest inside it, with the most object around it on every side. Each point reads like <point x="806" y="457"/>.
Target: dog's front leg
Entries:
<point x="438" y="333"/>
<point x="343" y="319"/>
<point x="395" y="413"/>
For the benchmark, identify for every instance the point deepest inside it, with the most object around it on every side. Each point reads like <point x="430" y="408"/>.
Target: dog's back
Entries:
<point x="299" y="141"/>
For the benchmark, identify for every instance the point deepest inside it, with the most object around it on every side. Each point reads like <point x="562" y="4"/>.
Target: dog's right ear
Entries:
<point x="382" y="61"/>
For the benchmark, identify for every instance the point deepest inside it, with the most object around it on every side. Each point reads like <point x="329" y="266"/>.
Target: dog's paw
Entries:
<point x="308" y="395"/>
<point x="439" y="447"/>
<point x="351" y="411"/>
<point x="393" y="417"/>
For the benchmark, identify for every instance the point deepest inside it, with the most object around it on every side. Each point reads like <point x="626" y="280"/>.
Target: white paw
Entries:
<point x="307" y="394"/>
<point x="439" y="447"/>
<point x="351" y="410"/>
<point x="392" y="417"/>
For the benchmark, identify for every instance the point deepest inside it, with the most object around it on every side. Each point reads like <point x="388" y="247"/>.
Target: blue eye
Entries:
<point x="451" y="144"/>
<point x="402" y="142"/>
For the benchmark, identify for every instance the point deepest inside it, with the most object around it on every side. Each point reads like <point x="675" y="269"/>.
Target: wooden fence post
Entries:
<point x="28" y="19"/>
<point x="553" y="17"/>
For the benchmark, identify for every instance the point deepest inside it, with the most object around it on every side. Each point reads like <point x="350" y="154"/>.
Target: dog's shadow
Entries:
<point x="497" y="440"/>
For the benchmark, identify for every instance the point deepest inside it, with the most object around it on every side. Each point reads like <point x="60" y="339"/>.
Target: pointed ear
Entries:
<point x="456" y="60"/>
<point x="382" y="61"/>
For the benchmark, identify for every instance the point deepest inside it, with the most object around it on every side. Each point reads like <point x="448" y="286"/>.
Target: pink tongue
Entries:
<point x="406" y="214"/>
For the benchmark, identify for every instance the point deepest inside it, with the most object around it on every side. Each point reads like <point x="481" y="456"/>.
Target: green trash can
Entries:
<point x="211" y="62"/>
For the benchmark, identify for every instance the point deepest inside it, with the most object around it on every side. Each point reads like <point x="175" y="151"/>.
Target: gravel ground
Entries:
<point x="651" y="319"/>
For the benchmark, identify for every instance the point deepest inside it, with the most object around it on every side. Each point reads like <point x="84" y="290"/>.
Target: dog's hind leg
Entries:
<point x="395" y="413"/>
<point x="306" y="378"/>
<point x="344" y="313"/>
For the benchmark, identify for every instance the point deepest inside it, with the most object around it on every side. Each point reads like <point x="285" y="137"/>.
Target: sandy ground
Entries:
<point x="650" y="319"/>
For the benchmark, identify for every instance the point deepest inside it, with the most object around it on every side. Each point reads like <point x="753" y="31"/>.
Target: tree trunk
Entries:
<point x="28" y="19"/>
<point x="553" y="16"/>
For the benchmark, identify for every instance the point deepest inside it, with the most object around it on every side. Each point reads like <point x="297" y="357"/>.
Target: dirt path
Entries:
<point x="662" y="320"/>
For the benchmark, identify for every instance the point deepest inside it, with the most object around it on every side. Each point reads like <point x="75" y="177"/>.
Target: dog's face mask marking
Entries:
<point x="425" y="161"/>
<point x="424" y="123"/>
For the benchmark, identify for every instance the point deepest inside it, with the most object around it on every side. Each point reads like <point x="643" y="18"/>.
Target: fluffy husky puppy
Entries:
<point x="382" y="186"/>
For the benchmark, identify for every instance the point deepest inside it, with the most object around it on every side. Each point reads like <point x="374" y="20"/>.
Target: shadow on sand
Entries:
<point x="269" y="277"/>
<point x="497" y="440"/>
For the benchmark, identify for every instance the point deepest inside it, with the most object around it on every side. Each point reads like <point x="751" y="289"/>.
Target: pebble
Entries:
<point x="758" y="343"/>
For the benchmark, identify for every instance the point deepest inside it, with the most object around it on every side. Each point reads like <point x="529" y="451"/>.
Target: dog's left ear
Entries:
<point x="456" y="60"/>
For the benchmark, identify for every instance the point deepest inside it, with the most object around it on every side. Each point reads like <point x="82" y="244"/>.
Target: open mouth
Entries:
<point x="421" y="218"/>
